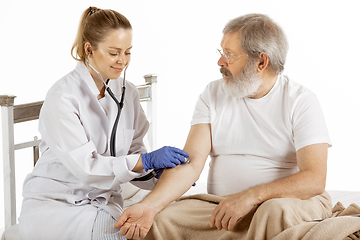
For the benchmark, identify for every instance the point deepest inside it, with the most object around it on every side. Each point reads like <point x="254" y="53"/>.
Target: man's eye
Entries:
<point x="229" y="54"/>
<point x="128" y="53"/>
<point x="113" y="54"/>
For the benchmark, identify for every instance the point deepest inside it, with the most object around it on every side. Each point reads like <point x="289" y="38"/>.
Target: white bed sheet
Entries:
<point x="345" y="197"/>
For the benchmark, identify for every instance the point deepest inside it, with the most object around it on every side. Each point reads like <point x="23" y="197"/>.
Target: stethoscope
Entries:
<point x="120" y="106"/>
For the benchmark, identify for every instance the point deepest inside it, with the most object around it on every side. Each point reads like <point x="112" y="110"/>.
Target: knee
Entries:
<point x="273" y="216"/>
<point x="277" y="208"/>
<point x="275" y="203"/>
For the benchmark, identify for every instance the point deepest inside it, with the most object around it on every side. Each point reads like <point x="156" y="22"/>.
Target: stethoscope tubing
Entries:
<point x="120" y="106"/>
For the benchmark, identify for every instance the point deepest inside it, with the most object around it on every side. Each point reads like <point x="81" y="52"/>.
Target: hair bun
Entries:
<point x="93" y="10"/>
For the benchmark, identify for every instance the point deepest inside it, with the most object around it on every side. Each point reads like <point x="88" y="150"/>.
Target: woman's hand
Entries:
<point x="165" y="157"/>
<point x="136" y="221"/>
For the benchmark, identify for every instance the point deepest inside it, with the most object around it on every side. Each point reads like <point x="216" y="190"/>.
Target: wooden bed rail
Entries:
<point x="11" y="114"/>
<point x="7" y="116"/>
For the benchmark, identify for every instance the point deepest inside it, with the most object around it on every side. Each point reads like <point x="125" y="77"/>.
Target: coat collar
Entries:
<point x="86" y="77"/>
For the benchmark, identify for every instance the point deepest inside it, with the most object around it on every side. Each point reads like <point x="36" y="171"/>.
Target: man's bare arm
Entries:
<point x="173" y="183"/>
<point x="308" y="182"/>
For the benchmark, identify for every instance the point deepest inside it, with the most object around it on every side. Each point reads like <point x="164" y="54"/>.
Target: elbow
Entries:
<point x="320" y="189"/>
<point x="319" y="186"/>
<point x="193" y="170"/>
<point x="196" y="169"/>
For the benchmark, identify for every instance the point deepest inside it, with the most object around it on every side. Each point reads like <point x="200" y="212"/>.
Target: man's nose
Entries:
<point x="222" y="62"/>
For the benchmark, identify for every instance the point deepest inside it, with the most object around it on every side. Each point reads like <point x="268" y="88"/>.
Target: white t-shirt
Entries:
<point x="254" y="141"/>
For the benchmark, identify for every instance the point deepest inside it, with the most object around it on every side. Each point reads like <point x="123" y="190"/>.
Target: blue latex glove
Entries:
<point x="165" y="157"/>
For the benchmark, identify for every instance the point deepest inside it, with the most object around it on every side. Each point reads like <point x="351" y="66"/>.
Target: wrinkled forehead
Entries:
<point x="231" y="42"/>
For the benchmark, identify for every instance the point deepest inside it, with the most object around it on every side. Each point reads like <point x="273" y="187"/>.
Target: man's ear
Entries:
<point x="264" y="62"/>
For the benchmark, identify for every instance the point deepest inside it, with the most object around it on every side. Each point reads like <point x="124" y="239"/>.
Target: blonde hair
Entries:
<point x="94" y="26"/>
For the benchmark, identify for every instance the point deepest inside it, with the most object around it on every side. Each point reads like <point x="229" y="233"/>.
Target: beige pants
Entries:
<point x="190" y="218"/>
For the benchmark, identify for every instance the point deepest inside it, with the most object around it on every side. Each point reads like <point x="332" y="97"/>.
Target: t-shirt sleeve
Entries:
<point x="202" y="108"/>
<point x="309" y="126"/>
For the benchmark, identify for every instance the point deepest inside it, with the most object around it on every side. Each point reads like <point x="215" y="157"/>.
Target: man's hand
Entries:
<point x="136" y="221"/>
<point x="230" y="210"/>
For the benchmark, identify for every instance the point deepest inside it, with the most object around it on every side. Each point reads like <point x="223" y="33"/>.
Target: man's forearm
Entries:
<point x="307" y="183"/>
<point x="302" y="185"/>
<point x="174" y="182"/>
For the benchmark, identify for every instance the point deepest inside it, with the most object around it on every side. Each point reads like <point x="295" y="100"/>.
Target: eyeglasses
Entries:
<point x="229" y="56"/>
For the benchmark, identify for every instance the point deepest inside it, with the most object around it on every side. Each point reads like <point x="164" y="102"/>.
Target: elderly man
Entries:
<point x="268" y="143"/>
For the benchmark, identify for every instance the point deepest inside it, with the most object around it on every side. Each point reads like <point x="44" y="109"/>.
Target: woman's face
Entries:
<point x="112" y="55"/>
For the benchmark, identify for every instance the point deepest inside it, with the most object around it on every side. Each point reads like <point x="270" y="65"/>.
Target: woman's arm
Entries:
<point x="173" y="183"/>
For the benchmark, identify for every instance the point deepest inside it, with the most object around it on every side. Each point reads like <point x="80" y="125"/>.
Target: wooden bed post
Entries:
<point x="151" y="79"/>
<point x="7" y="121"/>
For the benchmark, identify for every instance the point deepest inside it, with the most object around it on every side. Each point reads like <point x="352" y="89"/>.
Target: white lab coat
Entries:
<point x="75" y="173"/>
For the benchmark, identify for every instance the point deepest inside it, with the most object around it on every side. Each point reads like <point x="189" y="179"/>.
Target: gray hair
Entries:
<point x="258" y="33"/>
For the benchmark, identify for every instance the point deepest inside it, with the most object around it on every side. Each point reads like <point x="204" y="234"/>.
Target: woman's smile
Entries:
<point x="117" y="69"/>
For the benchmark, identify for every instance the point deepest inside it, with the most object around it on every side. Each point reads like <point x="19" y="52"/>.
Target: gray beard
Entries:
<point x="246" y="84"/>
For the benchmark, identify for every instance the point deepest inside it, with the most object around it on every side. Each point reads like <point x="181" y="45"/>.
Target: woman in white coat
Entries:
<point x="74" y="190"/>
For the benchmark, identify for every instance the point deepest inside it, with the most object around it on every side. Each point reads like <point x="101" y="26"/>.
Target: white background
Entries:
<point x="177" y="40"/>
